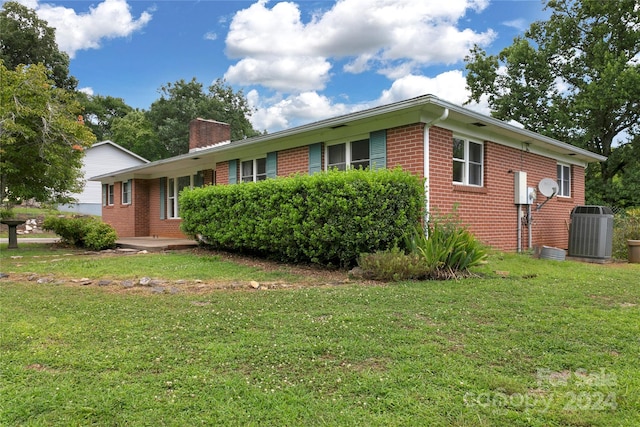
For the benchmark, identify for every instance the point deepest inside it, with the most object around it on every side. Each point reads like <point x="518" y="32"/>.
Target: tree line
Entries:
<point x="46" y="123"/>
<point x="574" y="77"/>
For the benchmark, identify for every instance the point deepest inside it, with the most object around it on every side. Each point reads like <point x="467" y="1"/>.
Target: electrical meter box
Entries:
<point x="520" y="190"/>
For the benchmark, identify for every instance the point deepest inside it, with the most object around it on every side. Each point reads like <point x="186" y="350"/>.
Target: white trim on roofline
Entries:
<point x="416" y="104"/>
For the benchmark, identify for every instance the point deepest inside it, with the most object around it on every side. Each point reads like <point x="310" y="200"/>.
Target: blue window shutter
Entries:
<point x="233" y="171"/>
<point x="272" y="164"/>
<point x="378" y="149"/>
<point x="315" y="158"/>
<point x="163" y="203"/>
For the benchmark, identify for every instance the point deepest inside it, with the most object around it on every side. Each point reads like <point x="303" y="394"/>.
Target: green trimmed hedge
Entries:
<point x="327" y="218"/>
<point x="84" y="232"/>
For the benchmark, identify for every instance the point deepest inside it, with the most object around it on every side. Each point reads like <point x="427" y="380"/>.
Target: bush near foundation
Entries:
<point x="326" y="218"/>
<point x="83" y="232"/>
<point x="626" y="226"/>
<point x="448" y="252"/>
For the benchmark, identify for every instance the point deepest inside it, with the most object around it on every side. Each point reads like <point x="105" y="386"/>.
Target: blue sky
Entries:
<point x="296" y="61"/>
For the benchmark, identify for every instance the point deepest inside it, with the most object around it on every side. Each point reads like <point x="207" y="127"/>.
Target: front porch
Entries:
<point x="155" y="244"/>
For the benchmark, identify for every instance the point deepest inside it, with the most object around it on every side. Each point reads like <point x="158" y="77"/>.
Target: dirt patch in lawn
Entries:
<point x="305" y="276"/>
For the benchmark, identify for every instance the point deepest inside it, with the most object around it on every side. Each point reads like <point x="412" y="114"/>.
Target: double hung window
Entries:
<point x="126" y="192"/>
<point x="468" y="162"/>
<point x="175" y="186"/>
<point x="108" y="194"/>
<point x="564" y="180"/>
<point x="354" y="154"/>
<point x="253" y="170"/>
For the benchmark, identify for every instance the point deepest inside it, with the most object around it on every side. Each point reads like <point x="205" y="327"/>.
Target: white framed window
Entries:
<point x="174" y="187"/>
<point x="564" y="180"/>
<point x="353" y="154"/>
<point x="468" y="162"/>
<point x="108" y="194"/>
<point x="253" y="170"/>
<point x="126" y="192"/>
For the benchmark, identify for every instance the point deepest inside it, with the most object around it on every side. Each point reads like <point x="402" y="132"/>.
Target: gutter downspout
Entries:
<point x="427" y="126"/>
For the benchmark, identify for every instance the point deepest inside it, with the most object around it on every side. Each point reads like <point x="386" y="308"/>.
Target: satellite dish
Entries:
<point x="548" y="187"/>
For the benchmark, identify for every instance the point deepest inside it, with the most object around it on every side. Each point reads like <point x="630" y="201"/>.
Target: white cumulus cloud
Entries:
<point x="78" y="31"/>
<point x="277" y="49"/>
<point x="307" y="107"/>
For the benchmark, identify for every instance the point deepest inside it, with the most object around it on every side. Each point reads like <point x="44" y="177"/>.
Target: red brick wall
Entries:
<point x="222" y="173"/>
<point x="208" y="177"/>
<point x="119" y="216"/>
<point x="490" y="211"/>
<point x="167" y="227"/>
<point x="141" y="206"/>
<point x="204" y="133"/>
<point x="405" y="147"/>
<point x="295" y="160"/>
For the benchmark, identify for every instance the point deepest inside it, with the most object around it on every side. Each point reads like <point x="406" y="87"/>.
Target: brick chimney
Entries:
<point x="207" y="133"/>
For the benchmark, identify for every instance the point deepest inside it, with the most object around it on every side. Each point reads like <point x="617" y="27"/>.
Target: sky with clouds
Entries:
<point x="295" y="61"/>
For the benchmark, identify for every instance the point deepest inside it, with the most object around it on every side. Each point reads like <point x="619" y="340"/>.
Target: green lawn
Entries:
<point x="551" y="344"/>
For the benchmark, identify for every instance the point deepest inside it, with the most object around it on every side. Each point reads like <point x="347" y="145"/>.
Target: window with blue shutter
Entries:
<point x="233" y="171"/>
<point x="163" y="203"/>
<point x="315" y="158"/>
<point x="378" y="149"/>
<point x="272" y="164"/>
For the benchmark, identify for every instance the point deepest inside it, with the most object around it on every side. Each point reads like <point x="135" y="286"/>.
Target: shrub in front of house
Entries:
<point x="326" y="218"/>
<point x="448" y="252"/>
<point x="83" y="232"/>
<point x="626" y="226"/>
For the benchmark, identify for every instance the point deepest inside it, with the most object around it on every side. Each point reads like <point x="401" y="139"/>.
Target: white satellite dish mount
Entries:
<point x="549" y="188"/>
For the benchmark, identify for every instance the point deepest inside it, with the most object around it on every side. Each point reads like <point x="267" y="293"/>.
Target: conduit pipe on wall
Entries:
<point x="427" y="126"/>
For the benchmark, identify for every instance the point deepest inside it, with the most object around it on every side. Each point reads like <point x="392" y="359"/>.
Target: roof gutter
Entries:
<point x="523" y="132"/>
<point x="426" y="171"/>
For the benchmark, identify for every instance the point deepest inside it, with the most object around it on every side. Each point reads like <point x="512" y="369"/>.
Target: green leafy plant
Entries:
<point x="393" y="265"/>
<point x="626" y="226"/>
<point x="99" y="236"/>
<point x="447" y="250"/>
<point x="450" y="249"/>
<point x="85" y="232"/>
<point x="6" y="213"/>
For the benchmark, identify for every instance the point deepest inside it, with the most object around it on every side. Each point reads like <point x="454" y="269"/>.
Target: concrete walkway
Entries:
<point x="155" y="244"/>
<point x="31" y="240"/>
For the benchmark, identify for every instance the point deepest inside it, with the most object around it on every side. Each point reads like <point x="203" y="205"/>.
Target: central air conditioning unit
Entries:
<point x="591" y="232"/>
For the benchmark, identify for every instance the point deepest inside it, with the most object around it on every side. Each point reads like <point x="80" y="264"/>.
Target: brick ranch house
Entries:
<point x="472" y="163"/>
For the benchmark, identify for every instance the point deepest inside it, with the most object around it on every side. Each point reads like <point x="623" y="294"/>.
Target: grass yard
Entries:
<point x="550" y="344"/>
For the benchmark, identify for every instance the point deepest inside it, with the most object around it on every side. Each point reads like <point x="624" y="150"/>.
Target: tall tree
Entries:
<point x="134" y="132"/>
<point x="42" y="137"/>
<point x="574" y="77"/>
<point x="182" y="101"/>
<point x="26" y="39"/>
<point x="100" y="112"/>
